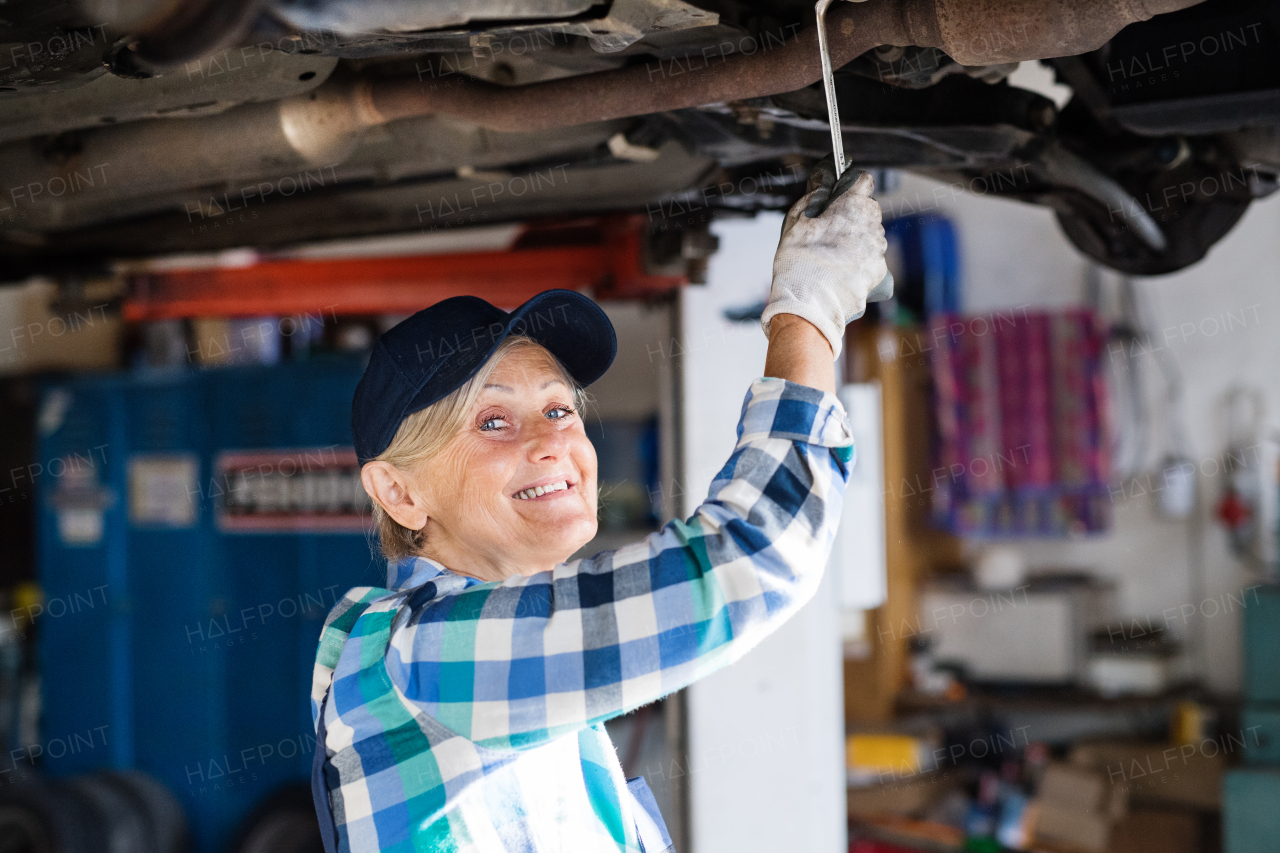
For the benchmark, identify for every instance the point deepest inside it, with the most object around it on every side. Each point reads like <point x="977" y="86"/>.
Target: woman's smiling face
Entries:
<point x="514" y="492"/>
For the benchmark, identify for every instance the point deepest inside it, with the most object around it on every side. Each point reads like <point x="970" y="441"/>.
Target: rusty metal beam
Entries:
<point x="973" y="32"/>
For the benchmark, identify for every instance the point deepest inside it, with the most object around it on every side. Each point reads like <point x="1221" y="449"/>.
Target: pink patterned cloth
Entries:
<point x="1020" y="404"/>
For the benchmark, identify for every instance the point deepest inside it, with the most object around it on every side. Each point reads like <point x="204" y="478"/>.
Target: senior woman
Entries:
<point x="462" y="707"/>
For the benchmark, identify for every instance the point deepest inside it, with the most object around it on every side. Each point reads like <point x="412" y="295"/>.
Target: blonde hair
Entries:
<point x="426" y="432"/>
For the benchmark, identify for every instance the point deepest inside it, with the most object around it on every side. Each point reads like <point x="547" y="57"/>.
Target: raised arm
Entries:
<point x="799" y="353"/>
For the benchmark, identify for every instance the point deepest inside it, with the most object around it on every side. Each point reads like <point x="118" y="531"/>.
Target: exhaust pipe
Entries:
<point x="973" y="32"/>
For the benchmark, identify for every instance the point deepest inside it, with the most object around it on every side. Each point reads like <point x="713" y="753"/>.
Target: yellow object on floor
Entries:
<point x="899" y="754"/>
<point x="1187" y="724"/>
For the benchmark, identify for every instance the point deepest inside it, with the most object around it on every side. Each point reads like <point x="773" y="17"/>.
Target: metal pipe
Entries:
<point x="1063" y="168"/>
<point x="992" y="32"/>
<point x="973" y="32"/>
<point x="652" y="87"/>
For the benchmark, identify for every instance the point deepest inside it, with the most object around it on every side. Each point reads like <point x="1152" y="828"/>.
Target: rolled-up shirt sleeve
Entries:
<point x="514" y="664"/>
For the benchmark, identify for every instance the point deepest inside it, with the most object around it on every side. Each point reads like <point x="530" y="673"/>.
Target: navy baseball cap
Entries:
<point x="430" y="355"/>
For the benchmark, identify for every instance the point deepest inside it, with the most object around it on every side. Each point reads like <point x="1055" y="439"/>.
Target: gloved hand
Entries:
<point x="831" y="254"/>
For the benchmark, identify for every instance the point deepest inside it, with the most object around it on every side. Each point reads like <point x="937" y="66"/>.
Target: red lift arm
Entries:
<point x="602" y="255"/>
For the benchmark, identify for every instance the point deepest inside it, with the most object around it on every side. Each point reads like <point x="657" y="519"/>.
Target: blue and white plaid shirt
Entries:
<point x="469" y="716"/>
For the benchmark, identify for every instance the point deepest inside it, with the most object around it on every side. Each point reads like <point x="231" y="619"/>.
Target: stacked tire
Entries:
<point x="110" y="812"/>
<point x="283" y="823"/>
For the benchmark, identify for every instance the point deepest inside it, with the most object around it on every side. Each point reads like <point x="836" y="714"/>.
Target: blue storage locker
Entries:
<point x="249" y="408"/>
<point x="1261" y="640"/>
<point x="199" y="663"/>
<point x="1261" y="725"/>
<point x="84" y="653"/>
<point x="176" y="717"/>
<point x="1250" y="819"/>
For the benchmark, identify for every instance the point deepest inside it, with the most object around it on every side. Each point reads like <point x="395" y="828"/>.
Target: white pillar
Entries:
<point x="766" y="735"/>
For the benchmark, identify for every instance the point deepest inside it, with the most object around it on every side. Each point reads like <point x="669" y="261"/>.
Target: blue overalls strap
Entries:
<point x="320" y="791"/>
<point x="650" y="827"/>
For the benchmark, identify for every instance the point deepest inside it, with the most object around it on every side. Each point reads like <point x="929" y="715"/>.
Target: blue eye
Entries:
<point x="491" y="425"/>
<point x="566" y="413"/>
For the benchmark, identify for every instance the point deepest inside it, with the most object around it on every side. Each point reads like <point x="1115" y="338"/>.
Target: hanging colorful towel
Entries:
<point x="1020" y="407"/>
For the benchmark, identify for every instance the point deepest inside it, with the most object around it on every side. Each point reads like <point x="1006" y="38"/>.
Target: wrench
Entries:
<point x="883" y="290"/>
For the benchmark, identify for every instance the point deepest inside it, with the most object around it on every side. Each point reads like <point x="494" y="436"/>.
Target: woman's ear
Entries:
<point x="392" y="489"/>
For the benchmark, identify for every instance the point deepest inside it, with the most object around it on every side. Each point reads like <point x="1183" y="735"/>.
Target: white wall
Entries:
<point x="631" y="389"/>
<point x="34" y="337"/>
<point x="766" y="735"/>
<point x="1014" y="255"/>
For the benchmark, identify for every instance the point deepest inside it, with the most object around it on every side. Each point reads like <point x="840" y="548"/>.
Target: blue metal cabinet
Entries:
<point x="1261" y="645"/>
<point x="1250" y="819"/>
<point x="195" y="662"/>
<point x="1261" y="725"/>
<point x="84" y="643"/>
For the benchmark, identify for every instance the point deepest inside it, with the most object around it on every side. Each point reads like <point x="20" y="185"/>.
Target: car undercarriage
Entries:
<point x="144" y="128"/>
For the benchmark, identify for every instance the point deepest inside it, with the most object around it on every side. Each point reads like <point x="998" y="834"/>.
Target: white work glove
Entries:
<point x="831" y="255"/>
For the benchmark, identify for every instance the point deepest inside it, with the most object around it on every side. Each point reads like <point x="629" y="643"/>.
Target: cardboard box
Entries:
<point x="1156" y="832"/>
<point x="1076" y="808"/>
<point x="1065" y="828"/>
<point x="909" y="797"/>
<point x="1072" y="788"/>
<point x="1158" y="775"/>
